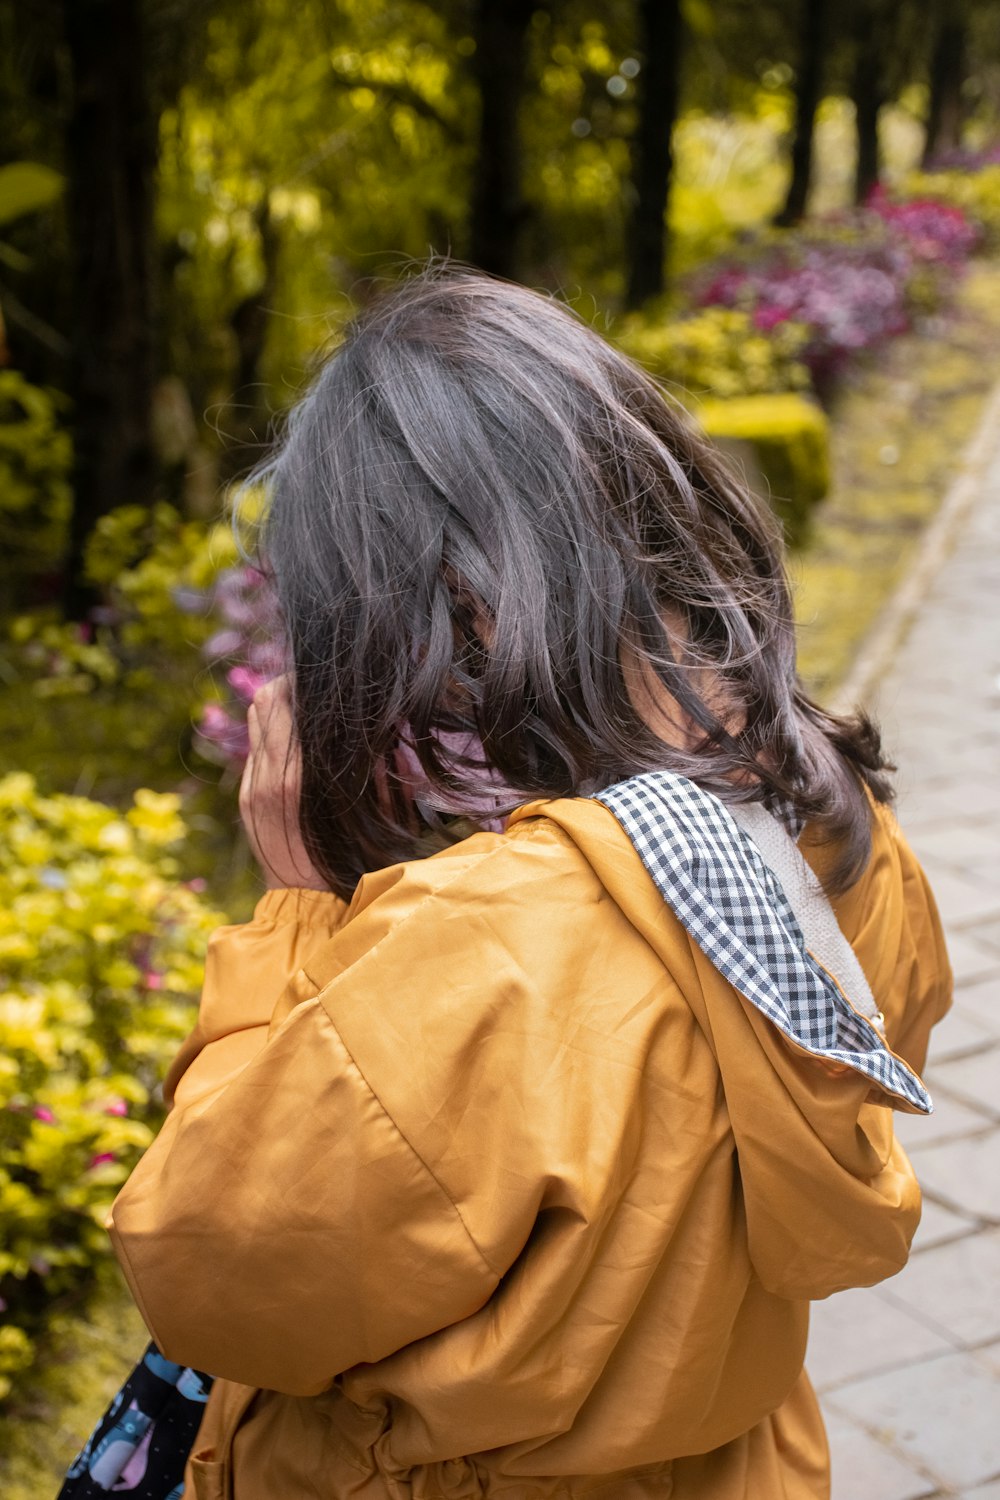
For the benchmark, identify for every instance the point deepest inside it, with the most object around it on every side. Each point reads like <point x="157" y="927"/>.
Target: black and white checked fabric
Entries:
<point x="713" y="878"/>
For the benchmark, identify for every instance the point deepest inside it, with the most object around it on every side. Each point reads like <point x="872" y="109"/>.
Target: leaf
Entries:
<point x="26" y="187"/>
<point x="699" y="18"/>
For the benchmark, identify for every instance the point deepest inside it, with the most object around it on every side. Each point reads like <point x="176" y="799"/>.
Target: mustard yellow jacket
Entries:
<point x="489" y="1185"/>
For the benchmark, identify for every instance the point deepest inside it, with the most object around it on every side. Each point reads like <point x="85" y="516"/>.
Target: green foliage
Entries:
<point x="718" y="351"/>
<point x="35" y="459"/>
<point x="101" y="954"/>
<point x="788" y="437"/>
<point x="147" y="562"/>
<point x="310" y="148"/>
<point x="26" y="187"/>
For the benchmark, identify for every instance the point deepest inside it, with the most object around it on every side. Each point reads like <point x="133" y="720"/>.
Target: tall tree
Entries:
<point x="873" y="44"/>
<point x="110" y="155"/>
<point x="661" y="23"/>
<point x="498" y="206"/>
<point x="808" y="91"/>
<point x="945" y="113"/>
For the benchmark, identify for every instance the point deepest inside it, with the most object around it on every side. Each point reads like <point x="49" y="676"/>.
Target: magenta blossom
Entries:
<point x="43" y="1113"/>
<point x="102" y="1159"/>
<point x="245" y="683"/>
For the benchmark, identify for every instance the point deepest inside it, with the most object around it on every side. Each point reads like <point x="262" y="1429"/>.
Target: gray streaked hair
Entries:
<point x="486" y="525"/>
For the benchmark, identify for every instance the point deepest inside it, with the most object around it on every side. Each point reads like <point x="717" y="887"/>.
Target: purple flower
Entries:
<point x="224" y="643"/>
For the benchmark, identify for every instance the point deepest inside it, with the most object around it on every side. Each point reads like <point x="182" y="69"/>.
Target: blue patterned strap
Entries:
<point x="714" y="876"/>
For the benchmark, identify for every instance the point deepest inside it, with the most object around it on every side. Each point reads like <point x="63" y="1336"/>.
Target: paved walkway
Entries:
<point x="909" y="1372"/>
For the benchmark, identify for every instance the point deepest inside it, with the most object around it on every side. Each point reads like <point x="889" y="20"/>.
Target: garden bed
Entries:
<point x="898" y="432"/>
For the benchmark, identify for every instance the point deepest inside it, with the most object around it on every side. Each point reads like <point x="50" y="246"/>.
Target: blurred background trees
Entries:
<point x="233" y="176"/>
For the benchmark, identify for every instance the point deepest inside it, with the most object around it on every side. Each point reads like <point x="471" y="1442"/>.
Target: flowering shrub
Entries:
<point x="934" y="231"/>
<point x="249" y="647"/>
<point x="851" y="283"/>
<point x="721" y="351"/>
<point x="149" y="564"/>
<point x="101" y="953"/>
<point x="976" y="194"/>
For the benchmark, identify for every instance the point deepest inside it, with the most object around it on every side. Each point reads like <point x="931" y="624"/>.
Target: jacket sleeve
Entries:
<point x="281" y="1229"/>
<point x="247" y="968"/>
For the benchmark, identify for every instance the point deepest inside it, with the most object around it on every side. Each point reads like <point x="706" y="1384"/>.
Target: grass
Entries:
<point x="59" y="1405"/>
<point x="899" y="430"/>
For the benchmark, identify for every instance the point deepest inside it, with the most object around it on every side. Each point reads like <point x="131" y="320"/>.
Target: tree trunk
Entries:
<point x="867" y="92"/>
<point x="652" y="152"/>
<point x="110" y="160"/>
<point x="945" y="114"/>
<point x="808" y="91"/>
<point x="498" y="209"/>
<point x="248" y="420"/>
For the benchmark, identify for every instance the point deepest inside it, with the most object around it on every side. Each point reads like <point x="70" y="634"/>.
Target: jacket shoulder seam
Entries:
<point x="442" y="1189"/>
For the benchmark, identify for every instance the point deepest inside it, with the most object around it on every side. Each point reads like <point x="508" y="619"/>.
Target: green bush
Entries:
<point x="35" y="459"/>
<point x="718" y="352"/>
<point x="138" y="660"/>
<point x="784" y="442"/>
<point x="101" y="956"/>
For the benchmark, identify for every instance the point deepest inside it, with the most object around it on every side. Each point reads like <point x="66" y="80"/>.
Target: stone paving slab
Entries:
<point x="951" y="1118"/>
<point x="863" y="1466"/>
<point x="973" y="1079"/>
<point x="972" y="960"/>
<point x="939" y="1414"/>
<point x="963" y="1175"/>
<point x="959" y="1035"/>
<point x="909" y="1372"/>
<point x="952" y="1289"/>
<point x="892" y="1337"/>
<point x="979" y="998"/>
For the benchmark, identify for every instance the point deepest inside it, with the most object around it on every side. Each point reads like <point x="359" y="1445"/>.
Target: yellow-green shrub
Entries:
<point x="789" y="439"/>
<point x="35" y="459"/>
<point x="101" y="953"/>
<point x="718" y="352"/>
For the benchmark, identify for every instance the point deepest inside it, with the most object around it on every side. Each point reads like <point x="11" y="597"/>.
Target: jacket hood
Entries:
<point x="831" y="1200"/>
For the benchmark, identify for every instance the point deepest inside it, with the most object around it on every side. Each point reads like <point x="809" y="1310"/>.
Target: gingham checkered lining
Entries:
<point x="712" y="876"/>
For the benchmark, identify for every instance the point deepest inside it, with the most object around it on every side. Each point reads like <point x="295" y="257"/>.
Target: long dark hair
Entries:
<point x="488" y="528"/>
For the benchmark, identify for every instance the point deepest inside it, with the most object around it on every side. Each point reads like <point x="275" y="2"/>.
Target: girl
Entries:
<point x="505" y="1162"/>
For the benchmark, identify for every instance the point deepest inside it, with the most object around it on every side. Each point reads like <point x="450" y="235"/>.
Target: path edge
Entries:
<point x="882" y="643"/>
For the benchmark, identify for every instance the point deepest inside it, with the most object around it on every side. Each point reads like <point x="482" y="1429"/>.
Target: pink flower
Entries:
<point x="245" y="683"/>
<point x="197" y="885"/>
<point x="41" y="1112"/>
<point x="102" y="1159"/>
<point x="225" y="734"/>
<point x="766" y="318"/>
<point x="116" y="1107"/>
<point x="152" y="980"/>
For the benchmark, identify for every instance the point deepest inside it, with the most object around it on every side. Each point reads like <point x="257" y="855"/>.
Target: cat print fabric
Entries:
<point x="142" y="1442"/>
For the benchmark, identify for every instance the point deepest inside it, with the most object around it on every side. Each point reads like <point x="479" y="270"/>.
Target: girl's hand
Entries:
<point x="269" y="791"/>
